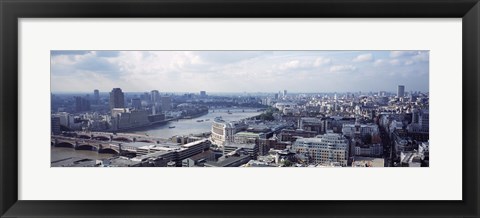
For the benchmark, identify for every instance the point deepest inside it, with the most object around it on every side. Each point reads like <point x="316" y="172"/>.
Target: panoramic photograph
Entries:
<point x="239" y="108"/>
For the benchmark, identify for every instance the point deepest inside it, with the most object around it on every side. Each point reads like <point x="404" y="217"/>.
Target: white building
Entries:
<point x="66" y="119"/>
<point x="223" y="132"/>
<point x="327" y="148"/>
<point x="126" y="119"/>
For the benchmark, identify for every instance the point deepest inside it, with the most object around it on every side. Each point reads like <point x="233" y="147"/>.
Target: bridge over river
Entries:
<point x="102" y="142"/>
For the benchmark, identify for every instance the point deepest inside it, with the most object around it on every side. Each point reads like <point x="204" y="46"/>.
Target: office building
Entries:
<point x="420" y="121"/>
<point x="117" y="99"/>
<point x="327" y="148"/>
<point x="155" y="97"/>
<point x="247" y="137"/>
<point x="81" y="104"/>
<point x="96" y="96"/>
<point x="401" y="91"/>
<point x="311" y="124"/>
<point x="55" y="125"/>
<point x="360" y="130"/>
<point x="368" y="150"/>
<point x="292" y="135"/>
<point x="231" y="149"/>
<point x="129" y="119"/>
<point x="223" y="131"/>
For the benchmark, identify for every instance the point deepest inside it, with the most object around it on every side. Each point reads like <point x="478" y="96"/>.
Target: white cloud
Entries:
<point x="421" y="57"/>
<point x="396" y="54"/>
<point x="178" y="71"/>
<point x="290" y="65"/>
<point x="379" y="63"/>
<point x="394" y="62"/>
<point x="363" y="58"/>
<point x="342" y="68"/>
<point x="321" y="61"/>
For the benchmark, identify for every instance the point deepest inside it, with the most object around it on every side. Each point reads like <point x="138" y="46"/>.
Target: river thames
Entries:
<point x="194" y="126"/>
<point x="197" y="125"/>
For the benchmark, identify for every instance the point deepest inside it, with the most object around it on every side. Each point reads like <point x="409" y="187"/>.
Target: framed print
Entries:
<point x="263" y="108"/>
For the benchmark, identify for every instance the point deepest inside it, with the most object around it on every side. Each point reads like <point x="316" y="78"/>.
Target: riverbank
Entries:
<point x="192" y="127"/>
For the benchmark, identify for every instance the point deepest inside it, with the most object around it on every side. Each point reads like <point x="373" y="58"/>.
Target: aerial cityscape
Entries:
<point x="239" y="108"/>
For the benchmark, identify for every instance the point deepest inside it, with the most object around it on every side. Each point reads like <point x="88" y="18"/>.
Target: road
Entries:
<point x="387" y="147"/>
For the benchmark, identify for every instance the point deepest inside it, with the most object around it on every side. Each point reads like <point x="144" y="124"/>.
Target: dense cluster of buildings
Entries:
<point x="379" y="129"/>
<point x="334" y="130"/>
<point x="117" y="111"/>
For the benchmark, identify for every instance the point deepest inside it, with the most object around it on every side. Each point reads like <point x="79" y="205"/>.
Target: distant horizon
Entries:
<point x="207" y="93"/>
<point x="237" y="71"/>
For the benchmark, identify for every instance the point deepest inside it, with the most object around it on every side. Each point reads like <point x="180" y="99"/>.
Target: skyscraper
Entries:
<point x="81" y="104"/>
<point x="55" y="125"/>
<point x="117" y="99"/>
<point x="401" y="91"/>
<point x="155" y="96"/>
<point x="96" y="96"/>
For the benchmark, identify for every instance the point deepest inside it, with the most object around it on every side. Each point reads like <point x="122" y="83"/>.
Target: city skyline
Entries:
<point x="239" y="71"/>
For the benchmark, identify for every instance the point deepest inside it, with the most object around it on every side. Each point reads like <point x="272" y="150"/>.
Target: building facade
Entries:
<point x="327" y="148"/>
<point x="401" y="91"/>
<point x="223" y="132"/>
<point x="360" y="130"/>
<point x="117" y="99"/>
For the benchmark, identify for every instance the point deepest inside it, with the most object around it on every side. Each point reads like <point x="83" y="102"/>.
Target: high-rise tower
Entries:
<point x="117" y="99"/>
<point x="401" y="91"/>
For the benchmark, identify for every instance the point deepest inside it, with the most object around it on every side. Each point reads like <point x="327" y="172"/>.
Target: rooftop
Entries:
<point x="228" y="161"/>
<point x="248" y="146"/>
<point x="74" y="162"/>
<point x="248" y="134"/>
<point x="150" y="155"/>
<point x="194" y="143"/>
<point x="368" y="162"/>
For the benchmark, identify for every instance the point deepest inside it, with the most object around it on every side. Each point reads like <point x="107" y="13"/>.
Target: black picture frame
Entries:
<point x="12" y="10"/>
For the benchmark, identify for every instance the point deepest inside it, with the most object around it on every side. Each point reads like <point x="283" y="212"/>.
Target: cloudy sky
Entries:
<point x="239" y="71"/>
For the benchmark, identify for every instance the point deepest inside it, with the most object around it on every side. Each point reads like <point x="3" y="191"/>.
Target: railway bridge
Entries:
<point x="101" y="146"/>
